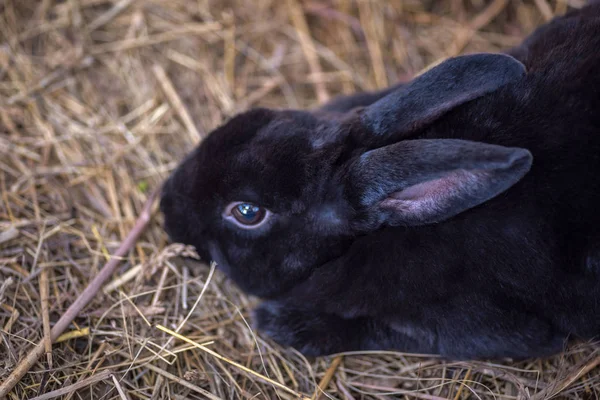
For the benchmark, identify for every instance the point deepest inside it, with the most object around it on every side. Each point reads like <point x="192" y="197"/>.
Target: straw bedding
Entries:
<point x="99" y="100"/>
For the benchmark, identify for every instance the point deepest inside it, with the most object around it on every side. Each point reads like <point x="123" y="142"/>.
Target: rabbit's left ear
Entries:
<point x="418" y="182"/>
<point x="434" y="93"/>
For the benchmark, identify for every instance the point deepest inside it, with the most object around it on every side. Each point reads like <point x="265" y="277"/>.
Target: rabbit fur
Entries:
<point x="456" y="214"/>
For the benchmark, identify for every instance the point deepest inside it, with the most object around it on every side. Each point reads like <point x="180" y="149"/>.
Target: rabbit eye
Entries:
<point x="246" y="215"/>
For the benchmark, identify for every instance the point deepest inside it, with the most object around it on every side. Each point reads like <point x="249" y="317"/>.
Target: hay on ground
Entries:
<point x="100" y="99"/>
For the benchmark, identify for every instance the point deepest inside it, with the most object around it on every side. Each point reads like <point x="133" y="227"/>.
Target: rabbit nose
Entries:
<point x="165" y="202"/>
<point x="166" y="198"/>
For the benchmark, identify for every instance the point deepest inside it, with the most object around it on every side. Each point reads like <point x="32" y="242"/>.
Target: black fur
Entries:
<point x="456" y="219"/>
<point x="443" y="88"/>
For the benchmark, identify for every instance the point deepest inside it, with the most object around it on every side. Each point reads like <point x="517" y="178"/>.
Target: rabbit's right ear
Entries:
<point x="434" y="93"/>
<point x="418" y="182"/>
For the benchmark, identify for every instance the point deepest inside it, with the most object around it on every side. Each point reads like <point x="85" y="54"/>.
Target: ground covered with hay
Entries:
<point x="100" y="99"/>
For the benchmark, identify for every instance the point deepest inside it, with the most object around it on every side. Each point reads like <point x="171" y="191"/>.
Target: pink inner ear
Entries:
<point x="428" y="198"/>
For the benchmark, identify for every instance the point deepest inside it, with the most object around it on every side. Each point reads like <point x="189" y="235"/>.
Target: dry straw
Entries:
<point x="100" y="99"/>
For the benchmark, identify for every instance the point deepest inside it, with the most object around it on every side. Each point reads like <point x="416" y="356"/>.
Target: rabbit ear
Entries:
<point x="435" y="92"/>
<point x="417" y="182"/>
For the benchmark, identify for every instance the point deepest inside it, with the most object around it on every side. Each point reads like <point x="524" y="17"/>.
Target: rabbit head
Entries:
<point x="272" y="196"/>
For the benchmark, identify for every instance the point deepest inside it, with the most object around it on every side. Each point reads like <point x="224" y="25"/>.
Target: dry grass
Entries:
<point x="100" y="99"/>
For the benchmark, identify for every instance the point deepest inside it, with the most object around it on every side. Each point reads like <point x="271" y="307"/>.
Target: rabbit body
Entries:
<point x="457" y="214"/>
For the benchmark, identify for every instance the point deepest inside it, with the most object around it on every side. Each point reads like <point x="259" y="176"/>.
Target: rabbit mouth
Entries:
<point x="218" y="257"/>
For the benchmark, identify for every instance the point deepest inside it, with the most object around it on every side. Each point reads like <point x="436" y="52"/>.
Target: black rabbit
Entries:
<point x="458" y="214"/>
